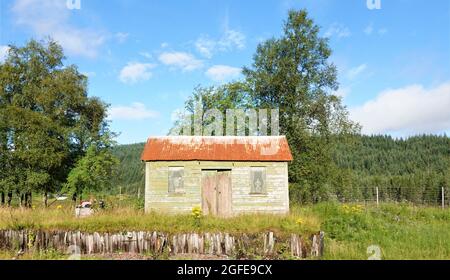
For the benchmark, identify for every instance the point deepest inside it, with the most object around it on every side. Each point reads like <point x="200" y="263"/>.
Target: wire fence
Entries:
<point x="427" y="196"/>
<point x="438" y="197"/>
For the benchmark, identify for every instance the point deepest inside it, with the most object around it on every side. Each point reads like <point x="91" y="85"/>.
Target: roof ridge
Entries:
<point x="219" y="137"/>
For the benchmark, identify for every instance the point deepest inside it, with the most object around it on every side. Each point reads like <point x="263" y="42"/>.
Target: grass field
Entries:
<point x="400" y="231"/>
<point x="124" y="217"/>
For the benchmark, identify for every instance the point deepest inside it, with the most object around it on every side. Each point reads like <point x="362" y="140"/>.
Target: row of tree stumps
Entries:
<point x="240" y="246"/>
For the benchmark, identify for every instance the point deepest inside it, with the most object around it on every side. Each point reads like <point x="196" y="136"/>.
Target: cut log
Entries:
<point x="140" y="242"/>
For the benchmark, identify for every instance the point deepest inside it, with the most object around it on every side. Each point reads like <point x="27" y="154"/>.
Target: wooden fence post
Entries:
<point x="443" y="198"/>
<point x="378" y="197"/>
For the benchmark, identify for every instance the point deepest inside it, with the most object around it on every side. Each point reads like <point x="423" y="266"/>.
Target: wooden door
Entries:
<point x="209" y="189"/>
<point x="216" y="192"/>
<point x="224" y="193"/>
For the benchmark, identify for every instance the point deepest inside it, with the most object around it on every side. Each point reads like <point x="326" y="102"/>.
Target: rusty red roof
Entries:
<point x="221" y="148"/>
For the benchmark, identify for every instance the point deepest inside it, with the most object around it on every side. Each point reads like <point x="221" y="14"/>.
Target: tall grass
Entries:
<point x="130" y="219"/>
<point x="401" y="231"/>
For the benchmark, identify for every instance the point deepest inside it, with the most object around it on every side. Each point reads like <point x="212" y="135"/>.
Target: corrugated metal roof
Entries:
<point x="221" y="148"/>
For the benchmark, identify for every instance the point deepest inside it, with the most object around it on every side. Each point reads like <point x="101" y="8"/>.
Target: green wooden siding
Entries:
<point x="158" y="198"/>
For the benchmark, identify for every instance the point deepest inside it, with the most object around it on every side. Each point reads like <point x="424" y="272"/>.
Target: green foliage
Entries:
<point x="413" y="169"/>
<point x="92" y="172"/>
<point x="197" y="215"/>
<point x="47" y="120"/>
<point x="221" y="98"/>
<point x="129" y="177"/>
<point x="374" y="155"/>
<point x="346" y="225"/>
<point x="126" y="218"/>
<point x="291" y="73"/>
<point x="401" y="231"/>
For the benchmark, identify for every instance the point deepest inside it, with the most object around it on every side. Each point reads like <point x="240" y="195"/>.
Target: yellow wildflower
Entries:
<point x="352" y="209"/>
<point x="197" y="212"/>
<point x="300" y="221"/>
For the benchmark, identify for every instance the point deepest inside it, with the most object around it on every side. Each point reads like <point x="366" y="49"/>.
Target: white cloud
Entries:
<point x="181" y="60"/>
<point x="3" y="52"/>
<point x="356" y="71"/>
<point x="205" y="46"/>
<point x="89" y="74"/>
<point x="369" y="29"/>
<point x="221" y="73"/>
<point x="121" y="37"/>
<point x="230" y="40"/>
<point x="146" y="55"/>
<point x="135" y="72"/>
<point x="136" y="111"/>
<point x="51" y="18"/>
<point x="382" y="31"/>
<point x="342" y="92"/>
<point x="339" y="30"/>
<point x="406" y="111"/>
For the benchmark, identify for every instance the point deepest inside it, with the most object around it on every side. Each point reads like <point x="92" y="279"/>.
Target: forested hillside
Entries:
<point x="130" y="175"/>
<point x="383" y="155"/>
<point x="413" y="169"/>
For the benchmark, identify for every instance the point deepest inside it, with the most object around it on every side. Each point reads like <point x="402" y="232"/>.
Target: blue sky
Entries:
<point x="145" y="57"/>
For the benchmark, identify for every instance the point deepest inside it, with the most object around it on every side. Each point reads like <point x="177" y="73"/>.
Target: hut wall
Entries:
<point x="275" y="199"/>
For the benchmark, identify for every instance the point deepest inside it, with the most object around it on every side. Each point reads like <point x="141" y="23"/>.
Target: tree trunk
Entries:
<point x="10" y="195"/>
<point x="45" y="199"/>
<point x="22" y="199"/>
<point x="74" y="199"/>
<point x="25" y="201"/>
<point x="29" y="200"/>
<point x="3" y="198"/>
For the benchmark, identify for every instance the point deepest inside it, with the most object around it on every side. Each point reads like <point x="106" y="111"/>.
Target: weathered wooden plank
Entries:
<point x="276" y="184"/>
